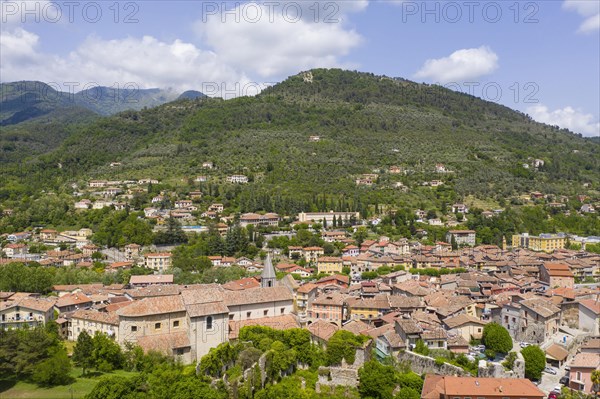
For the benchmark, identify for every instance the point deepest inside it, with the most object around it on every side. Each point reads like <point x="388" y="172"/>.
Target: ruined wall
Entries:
<point x="497" y="370"/>
<point x="423" y="364"/>
<point x="569" y="314"/>
<point x="337" y="376"/>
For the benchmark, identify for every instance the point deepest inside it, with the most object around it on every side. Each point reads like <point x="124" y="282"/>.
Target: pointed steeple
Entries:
<point x="268" y="276"/>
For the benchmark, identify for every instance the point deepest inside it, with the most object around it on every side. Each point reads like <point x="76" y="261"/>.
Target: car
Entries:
<point x="550" y="370"/>
<point x="552" y="395"/>
<point x="567" y="368"/>
<point x="524" y="344"/>
<point x="557" y="389"/>
<point x="564" y="380"/>
<point x="480" y="348"/>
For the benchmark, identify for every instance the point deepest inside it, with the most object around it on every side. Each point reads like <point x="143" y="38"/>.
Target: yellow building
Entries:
<point x="330" y="265"/>
<point x="367" y="309"/>
<point x="543" y="242"/>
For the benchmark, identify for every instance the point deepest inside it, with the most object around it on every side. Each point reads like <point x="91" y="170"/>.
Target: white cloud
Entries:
<point x="460" y="66"/>
<point x="589" y="10"/>
<point x="569" y="118"/>
<point x="225" y="58"/>
<point x="275" y="42"/>
<point x="141" y="62"/>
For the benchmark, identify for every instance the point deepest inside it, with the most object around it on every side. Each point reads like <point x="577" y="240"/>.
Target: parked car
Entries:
<point x="564" y="380"/>
<point x="480" y="348"/>
<point x="524" y="344"/>
<point x="550" y="370"/>
<point x="553" y="395"/>
<point x="557" y="389"/>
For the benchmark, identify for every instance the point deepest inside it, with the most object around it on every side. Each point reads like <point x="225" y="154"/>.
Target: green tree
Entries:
<point x="496" y="338"/>
<point x="535" y="361"/>
<point x="112" y="387"/>
<point x="408" y="393"/>
<point x="55" y="370"/>
<point x="361" y="234"/>
<point x="595" y="378"/>
<point x="343" y="345"/>
<point x="421" y="348"/>
<point x="376" y="380"/>
<point x="83" y="352"/>
<point x="107" y="354"/>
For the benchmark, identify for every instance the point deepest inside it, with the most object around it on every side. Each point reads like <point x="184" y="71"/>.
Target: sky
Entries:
<point x="539" y="57"/>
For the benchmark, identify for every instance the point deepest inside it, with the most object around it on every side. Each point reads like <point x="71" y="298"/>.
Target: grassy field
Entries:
<point x="80" y="387"/>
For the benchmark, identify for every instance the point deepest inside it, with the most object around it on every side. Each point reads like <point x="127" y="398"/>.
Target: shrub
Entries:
<point x="497" y="338"/>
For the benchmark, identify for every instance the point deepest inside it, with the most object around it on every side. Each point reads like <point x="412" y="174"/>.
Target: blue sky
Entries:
<point x="541" y="57"/>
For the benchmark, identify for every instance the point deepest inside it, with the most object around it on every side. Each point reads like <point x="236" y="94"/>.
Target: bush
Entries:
<point x="439" y="361"/>
<point x="535" y="361"/>
<point x="490" y="353"/>
<point x="54" y="370"/>
<point x="509" y="362"/>
<point x="421" y="348"/>
<point x="497" y="338"/>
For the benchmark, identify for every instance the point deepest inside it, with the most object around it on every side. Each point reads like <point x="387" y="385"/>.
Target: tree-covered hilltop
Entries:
<point x="364" y="123"/>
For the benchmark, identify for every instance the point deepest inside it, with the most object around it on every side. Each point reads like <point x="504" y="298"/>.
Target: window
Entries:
<point x="133" y="328"/>
<point x="176" y="324"/>
<point x="282" y="310"/>
<point x="479" y="330"/>
<point x="265" y="312"/>
<point x="231" y="317"/>
<point x="578" y="376"/>
<point x="209" y="323"/>
<point x="248" y="314"/>
<point x="157" y="326"/>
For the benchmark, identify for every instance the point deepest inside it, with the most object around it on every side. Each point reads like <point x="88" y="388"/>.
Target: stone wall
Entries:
<point x="345" y="374"/>
<point x="337" y="376"/>
<point x="426" y="365"/>
<point x="569" y="314"/>
<point x="497" y="370"/>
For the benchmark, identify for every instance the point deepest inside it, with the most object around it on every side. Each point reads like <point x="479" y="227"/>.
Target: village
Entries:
<point x="402" y="294"/>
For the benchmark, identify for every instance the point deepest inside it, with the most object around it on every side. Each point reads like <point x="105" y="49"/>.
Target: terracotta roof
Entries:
<point x="205" y="309"/>
<point x="335" y="277"/>
<point x="242" y="284"/>
<point x="462" y="319"/>
<point x="258" y="295"/>
<point x="93" y="315"/>
<point x="409" y="326"/>
<point x="586" y="360"/>
<point x="323" y="329"/>
<point x="558" y="270"/>
<point x="152" y="279"/>
<point x="306" y="288"/>
<point x="154" y="290"/>
<point x="450" y="386"/>
<point x="557" y="352"/>
<point x="77" y="298"/>
<point x="356" y="327"/>
<point x="164" y="343"/>
<point x="154" y="305"/>
<point x="592" y="305"/>
<point x="333" y="299"/>
<point x="540" y="306"/>
<point x="39" y="304"/>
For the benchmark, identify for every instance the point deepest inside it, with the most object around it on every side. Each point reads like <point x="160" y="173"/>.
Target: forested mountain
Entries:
<point x="31" y="100"/>
<point x="365" y="123"/>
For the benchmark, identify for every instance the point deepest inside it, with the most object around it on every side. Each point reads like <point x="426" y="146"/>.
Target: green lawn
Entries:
<point x="79" y="388"/>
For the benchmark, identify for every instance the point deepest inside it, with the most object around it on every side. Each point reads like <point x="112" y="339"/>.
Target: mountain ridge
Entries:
<point x="365" y="123"/>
